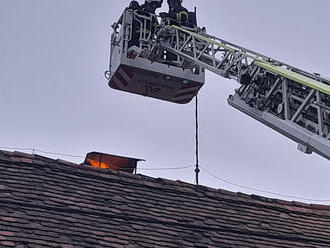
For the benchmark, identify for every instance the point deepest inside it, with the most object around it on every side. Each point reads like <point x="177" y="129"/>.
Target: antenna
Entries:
<point x="197" y="170"/>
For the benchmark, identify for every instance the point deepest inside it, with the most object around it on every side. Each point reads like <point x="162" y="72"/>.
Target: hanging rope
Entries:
<point x="197" y="170"/>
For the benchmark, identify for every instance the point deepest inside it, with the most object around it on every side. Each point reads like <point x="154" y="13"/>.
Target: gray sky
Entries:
<point x="53" y="95"/>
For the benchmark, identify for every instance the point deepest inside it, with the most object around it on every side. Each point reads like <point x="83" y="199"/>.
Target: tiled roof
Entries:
<point x="53" y="203"/>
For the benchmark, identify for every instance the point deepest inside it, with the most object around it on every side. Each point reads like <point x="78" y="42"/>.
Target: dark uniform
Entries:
<point x="134" y="5"/>
<point x="146" y="10"/>
<point x="179" y="16"/>
<point x="149" y="11"/>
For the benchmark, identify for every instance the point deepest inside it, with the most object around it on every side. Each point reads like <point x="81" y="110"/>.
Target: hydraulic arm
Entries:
<point x="168" y="62"/>
<point x="289" y="100"/>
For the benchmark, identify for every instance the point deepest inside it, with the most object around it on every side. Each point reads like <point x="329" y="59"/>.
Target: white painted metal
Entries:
<point x="289" y="100"/>
<point x="131" y="71"/>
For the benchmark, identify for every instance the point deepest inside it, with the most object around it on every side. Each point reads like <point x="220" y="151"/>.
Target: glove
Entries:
<point x="163" y="14"/>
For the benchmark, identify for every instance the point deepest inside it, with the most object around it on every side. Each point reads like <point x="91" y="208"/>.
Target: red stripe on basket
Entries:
<point x="121" y="79"/>
<point x="128" y="71"/>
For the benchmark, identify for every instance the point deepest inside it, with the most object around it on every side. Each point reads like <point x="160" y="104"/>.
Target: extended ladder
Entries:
<point x="289" y="100"/>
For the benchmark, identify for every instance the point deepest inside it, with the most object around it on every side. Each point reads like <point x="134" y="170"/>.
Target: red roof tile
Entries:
<point x="54" y="203"/>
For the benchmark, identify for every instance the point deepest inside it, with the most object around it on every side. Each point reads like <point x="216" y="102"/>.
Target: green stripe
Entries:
<point x="275" y="69"/>
<point x="179" y="15"/>
<point x="198" y="36"/>
<point x="295" y="77"/>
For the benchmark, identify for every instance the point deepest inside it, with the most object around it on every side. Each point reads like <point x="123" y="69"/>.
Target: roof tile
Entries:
<point x="8" y="243"/>
<point x="54" y="203"/>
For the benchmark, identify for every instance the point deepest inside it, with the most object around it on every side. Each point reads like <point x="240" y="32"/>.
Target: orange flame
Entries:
<point x="97" y="164"/>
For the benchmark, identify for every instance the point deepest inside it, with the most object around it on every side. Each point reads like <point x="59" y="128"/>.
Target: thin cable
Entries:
<point x="261" y="191"/>
<point x="60" y="154"/>
<point x="180" y="168"/>
<point x="77" y="156"/>
<point x="17" y="148"/>
<point x="37" y="150"/>
<point x="173" y="168"/>
<point x="155" y="169"/>
<point x="197" y="170"/>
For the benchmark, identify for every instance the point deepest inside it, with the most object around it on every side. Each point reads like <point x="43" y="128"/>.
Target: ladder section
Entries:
<point x="294" y="102"/>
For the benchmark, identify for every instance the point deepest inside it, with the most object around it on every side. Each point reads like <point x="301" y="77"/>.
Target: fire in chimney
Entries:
<point x="111" y="162"/>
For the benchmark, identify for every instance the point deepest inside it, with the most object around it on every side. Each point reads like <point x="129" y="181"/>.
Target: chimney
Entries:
<point x="112" y="162"/>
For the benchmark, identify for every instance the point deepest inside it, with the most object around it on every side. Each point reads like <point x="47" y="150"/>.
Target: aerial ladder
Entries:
<point x="170" y="65"/>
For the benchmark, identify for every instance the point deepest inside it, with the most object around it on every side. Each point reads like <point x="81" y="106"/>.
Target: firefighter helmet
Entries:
<point x="154" y="1"/>
<point x="176" y="0"/>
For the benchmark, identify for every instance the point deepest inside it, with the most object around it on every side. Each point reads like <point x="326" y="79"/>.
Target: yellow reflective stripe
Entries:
<point x="295" y="77"/>
<point x="198" y="36"/>
<point x="179" y="15"/>
<point x="272" y="68"/>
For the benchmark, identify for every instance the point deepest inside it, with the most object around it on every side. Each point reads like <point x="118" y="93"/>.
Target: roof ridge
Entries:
<point x="20" y="157"/>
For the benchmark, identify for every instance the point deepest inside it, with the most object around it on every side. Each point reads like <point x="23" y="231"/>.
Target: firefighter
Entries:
<point x="147" y="9"/>
<point x="178" y="14"/>
<point x="150" y="6"/>
<point x="134" y="5"/>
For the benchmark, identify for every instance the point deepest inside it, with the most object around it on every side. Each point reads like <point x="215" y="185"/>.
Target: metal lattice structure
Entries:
<point x="287" y="99"/>
<point x="291" y="101"/>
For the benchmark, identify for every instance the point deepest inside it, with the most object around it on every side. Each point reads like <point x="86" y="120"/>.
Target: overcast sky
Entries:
<point x="53" y="95"/>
